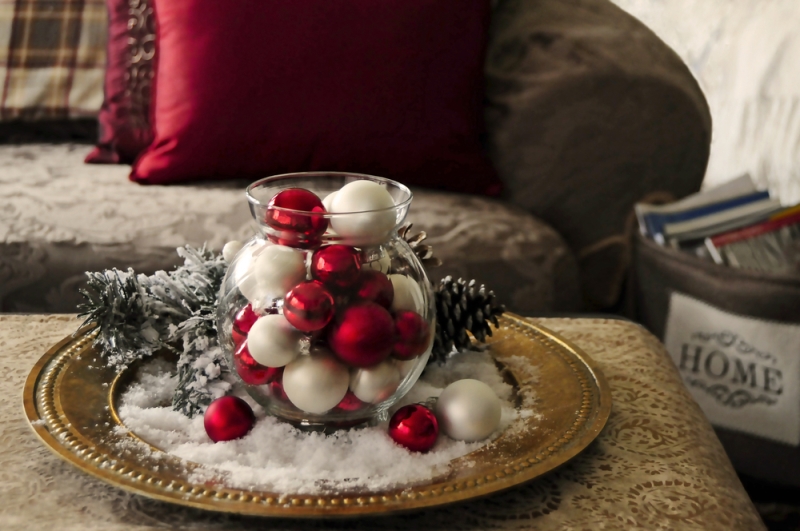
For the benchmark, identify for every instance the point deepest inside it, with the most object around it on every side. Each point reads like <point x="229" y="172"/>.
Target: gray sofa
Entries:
<point x="587" y="112"/>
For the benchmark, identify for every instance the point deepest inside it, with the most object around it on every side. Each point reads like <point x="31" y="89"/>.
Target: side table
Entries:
<point x="656" y="465"/>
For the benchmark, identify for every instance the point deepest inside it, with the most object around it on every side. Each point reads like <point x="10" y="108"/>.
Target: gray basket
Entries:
<point x="659" y="273"/>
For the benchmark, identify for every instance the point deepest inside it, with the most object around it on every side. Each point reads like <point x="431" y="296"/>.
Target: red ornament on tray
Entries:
<point x="336" y="266"/>
<point x="415" y="427"/>
<point x="228" y="418"/>
<point x="308" y="306"/>
<point x="363" y="335"/>
<point x="374" y="286"/>
<point x="250" y="371"/>
<point x="412" y="335"/>
<point x="288" y="212"/>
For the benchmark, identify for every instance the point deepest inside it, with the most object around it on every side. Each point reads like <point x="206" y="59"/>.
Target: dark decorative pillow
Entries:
<point x="259" y="87"/>
<point x="124" y="119"/>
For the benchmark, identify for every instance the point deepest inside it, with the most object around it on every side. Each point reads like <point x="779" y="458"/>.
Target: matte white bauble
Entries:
<point x="375" y="384"/>
<point x="468" y="410"/>
<point x="279" y="268"/>
<point x="407" y="294"/>
<point x="328" y="200"/>
<point x="230" y="249"/>
<point x="376" y="258"/>
<point x="244" y="274"/>
<point x="371" y="213"/>
<point x="405" y="366"/>
<point x="273" y="342"/>
<point x="317" y="382"/>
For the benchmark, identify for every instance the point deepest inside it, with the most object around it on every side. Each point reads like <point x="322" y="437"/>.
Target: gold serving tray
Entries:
<point x="70" y="400"/>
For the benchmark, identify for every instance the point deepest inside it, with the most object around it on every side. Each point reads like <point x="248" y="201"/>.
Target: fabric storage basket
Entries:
<point x="734" y="335"/>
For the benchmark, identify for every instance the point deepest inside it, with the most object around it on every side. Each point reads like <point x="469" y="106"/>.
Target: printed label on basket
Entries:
<point x="744" y="372"/>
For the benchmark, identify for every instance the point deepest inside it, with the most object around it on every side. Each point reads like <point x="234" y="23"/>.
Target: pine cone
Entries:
<point x="461" y="309"/>
<point x="423" y="251"/>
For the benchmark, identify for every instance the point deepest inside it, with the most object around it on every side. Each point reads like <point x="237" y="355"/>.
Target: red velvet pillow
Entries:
<point x="249" y="88"/>
<point x="124" y="118"/>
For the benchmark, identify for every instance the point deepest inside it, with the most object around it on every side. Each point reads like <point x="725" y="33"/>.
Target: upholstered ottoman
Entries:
<point x="656" y="465"/>
<point x="60" y="217"/>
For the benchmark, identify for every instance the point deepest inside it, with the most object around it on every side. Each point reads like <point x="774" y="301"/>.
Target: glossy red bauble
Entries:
<point x="228" y="418"/>
<point x="412" y="335"/>
<point x="350" y="402"/>
<point x="288" y="212"/>
<point x="414" y="427"/>
<point x="362" y="335"/>
<point x="276" y="389"/>
<point x="374" y="286"/>
<point x="336" y="266"/>
<point x="250" y="371"/>
<point x="245" y="318"/>
<point x="308" y="306"/>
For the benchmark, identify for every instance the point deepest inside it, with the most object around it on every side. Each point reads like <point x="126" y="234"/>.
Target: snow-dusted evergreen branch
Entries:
<point x="138" y="315"/>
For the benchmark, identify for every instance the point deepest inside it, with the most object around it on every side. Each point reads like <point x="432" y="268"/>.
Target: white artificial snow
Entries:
<point x="279" y="458"/>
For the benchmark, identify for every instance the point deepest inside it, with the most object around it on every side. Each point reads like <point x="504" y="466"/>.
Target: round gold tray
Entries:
<point x="70" y="398"/>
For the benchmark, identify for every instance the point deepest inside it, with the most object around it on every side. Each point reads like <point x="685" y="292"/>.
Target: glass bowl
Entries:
<point x="327" y="318"/>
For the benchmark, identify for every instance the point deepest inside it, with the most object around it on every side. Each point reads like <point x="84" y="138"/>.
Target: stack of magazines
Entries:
<point x="733" y="224"/>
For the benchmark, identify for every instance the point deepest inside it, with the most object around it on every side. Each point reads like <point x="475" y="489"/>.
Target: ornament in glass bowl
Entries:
<point x="327" y="315"/>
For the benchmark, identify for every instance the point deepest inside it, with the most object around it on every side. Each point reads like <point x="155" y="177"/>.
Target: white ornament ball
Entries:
<point x="273" y="342"/>
<point x="376" y="258"/>
<point x="371" y="213"/>
<point x="375" y="384"/>
<point x="230" y="249"/>
<point x="405" y="366"/>
<point x="468" y="410"/>
<point x="407" y="294"/>
<point x="244" y="273"/>
<point x="328" y="200"/>
<point x="317" y="382"/>
<point x="278" y="269"/>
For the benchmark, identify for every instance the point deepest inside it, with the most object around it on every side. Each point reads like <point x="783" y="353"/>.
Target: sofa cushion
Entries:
<point x="260" y="87"/>
<point x="53" y="58"/>
<point x="60" y="218"/>
<point x="124" y="118"/>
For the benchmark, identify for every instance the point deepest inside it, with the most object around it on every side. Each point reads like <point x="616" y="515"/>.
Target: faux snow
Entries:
<point x="279" y="458"/>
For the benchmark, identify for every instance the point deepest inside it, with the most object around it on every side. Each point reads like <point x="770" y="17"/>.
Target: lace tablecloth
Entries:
<point x="656" y="465"/>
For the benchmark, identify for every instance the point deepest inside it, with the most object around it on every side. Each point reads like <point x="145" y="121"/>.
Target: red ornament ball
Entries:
<point x="276" y="389"/>
<point x="250" y="371"/>
<point x="374" y="286"/>
<point x="336" y="266"/>
<point x="350" y="402"/>
<point x="228" y="418"/>
<point x="296" y="213"/>
<point x="412" y="335"/>
<point x="414" y="427"/>
<point x="362" y="335"/>
<point x="245" y="318"/>
<point x="308" y="306"/>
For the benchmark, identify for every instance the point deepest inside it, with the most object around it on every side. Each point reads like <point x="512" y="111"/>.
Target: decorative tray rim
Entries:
<point x="43" y="409"/>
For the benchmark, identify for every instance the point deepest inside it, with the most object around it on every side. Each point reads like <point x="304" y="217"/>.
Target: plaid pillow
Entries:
<point x="52" y="58"/>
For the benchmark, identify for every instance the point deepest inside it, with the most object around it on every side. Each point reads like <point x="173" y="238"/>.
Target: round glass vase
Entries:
<point x="326" y="318"/>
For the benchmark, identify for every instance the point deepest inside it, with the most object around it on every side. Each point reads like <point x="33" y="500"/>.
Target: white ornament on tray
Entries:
<point x="279" y="268"/>
<point x="316" y="383"/>
<point x="375" y="384"/>
<point x="328" y="200"/>
<point x="407" y="294"/>
<point x="468" y="410"/>
<point x="273" y="342"/>
<point x="370" y="213"/>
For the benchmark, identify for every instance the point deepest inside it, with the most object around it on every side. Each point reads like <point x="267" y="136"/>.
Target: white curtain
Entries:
<point x="746" y="56"/>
